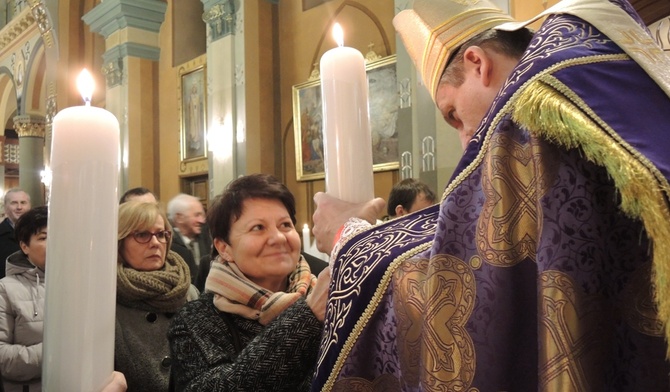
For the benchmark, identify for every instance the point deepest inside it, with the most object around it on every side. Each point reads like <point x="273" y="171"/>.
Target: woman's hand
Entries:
<point x="116" y="384"/>
<point x="317" y="299"/>
<point x="331" y="213"/>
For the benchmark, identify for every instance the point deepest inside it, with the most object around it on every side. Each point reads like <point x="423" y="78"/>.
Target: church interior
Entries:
<point x="206" y="91"/>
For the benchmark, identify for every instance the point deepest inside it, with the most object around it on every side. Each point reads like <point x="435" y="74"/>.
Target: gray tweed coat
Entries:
<point x="141" y="349"/>
<point x="278" y="357"/>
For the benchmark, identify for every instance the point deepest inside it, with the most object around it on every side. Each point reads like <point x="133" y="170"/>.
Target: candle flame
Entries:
<point x="338" y="34"/>
<point x="85" y="85"/>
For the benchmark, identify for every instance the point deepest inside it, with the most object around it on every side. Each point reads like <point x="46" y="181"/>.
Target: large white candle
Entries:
<point x="346" y="123"/>
<point x="81" y="248"/>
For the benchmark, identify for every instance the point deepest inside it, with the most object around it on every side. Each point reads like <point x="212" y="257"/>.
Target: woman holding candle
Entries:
<point x="22" y="305"/>
<point x="258" y="326"/>
<point x="152" y="284"/>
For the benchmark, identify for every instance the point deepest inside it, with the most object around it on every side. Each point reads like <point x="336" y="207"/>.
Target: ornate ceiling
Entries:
<point x="651" y="10"/>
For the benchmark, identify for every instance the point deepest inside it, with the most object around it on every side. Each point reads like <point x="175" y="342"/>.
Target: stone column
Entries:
<point x="31" y="131"/>
<point x="131" y="28"/>
<point x="225" y="92"/>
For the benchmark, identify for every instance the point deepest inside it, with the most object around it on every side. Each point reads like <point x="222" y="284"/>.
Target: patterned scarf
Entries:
<point x="235" y="293"/>
<point x="163" y="290"/>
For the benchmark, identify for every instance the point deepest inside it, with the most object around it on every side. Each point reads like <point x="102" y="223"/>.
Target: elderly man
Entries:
<point x="192" y="239"/>
<point x="545" y="267"/>
<point x="17" y="203"/>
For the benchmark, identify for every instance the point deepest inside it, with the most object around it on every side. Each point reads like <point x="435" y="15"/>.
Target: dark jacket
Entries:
<point x="204" y="242"/>
<point x="278" y="357"/>
<point x="8" y="244"/>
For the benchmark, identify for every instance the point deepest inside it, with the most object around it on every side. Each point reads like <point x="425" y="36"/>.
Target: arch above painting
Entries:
<point x="357" y="21"/>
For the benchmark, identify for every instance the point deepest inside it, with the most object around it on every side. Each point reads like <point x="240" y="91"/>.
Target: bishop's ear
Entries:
<point x="479" y="61"/>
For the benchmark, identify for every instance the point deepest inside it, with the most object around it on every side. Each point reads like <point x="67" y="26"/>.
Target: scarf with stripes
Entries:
<point x="235" y="293"/>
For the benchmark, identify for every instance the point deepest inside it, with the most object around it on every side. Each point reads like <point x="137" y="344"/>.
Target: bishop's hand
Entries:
<point x="331" y="214"/>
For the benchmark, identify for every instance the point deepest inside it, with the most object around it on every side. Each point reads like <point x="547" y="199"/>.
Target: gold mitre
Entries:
<point x="433" y="29"/>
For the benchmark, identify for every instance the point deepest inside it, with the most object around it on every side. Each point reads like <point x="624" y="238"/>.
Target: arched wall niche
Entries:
<point x="360" y="24"/>
<point x="8" y="102"/>
<point x="34" y="91"/>
<point x="304" y="36"/>
<point x="353" y="17"/>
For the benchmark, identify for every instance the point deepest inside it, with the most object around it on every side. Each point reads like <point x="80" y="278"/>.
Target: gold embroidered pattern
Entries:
<point x="642" y="44"/>
<point x="447" y="350"/>
<point x="368" y="252"/>
<point x="408" y="300"/>
<point x="642" y="188"/>
<point x="513" y="181"/>
<point x="570" y="336"/>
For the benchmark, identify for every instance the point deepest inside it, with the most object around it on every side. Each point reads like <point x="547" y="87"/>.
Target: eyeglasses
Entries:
<point x="143" y="237"/>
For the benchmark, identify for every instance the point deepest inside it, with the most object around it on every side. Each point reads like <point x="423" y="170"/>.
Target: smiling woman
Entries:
<point x="152" y="284"/>
<point x="259" y="324"/>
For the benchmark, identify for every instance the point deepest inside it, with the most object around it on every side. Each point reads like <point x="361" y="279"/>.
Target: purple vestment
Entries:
<point x="528" y="275"/>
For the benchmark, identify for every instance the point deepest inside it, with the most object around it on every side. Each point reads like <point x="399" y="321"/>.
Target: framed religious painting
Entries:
<point x="193" y="111"/>
<point x="384" y="101"/>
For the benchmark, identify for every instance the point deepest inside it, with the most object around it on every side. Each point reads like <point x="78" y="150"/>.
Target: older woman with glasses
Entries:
<point x="152" y="284"/>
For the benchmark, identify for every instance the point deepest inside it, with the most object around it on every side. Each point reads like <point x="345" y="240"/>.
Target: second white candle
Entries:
<point x="346" y="124"/>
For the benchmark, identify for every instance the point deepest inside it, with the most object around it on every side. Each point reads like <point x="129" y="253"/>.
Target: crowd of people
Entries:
<point x="543" y="266"/>
<point x="255" y="248"/>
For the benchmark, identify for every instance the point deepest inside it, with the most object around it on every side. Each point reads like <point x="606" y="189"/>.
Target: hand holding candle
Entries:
<point x="346" y="123"/>
<point x="81" y="248"/>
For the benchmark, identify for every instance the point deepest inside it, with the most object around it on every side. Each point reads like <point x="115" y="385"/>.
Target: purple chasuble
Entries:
<point x="528" y="275"/>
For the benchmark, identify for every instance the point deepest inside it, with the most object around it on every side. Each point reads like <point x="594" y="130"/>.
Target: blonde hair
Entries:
<point x="139" y="216"/>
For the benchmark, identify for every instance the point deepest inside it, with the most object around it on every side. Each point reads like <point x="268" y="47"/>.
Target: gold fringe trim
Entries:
<point x="542" y="108"/>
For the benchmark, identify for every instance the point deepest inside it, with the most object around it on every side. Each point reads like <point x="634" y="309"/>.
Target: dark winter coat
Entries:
<point x="278" y="357"/>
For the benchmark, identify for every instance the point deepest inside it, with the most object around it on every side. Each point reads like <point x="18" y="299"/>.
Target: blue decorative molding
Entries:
<point x="113" y="15"/>
<point x="133" y="50"/>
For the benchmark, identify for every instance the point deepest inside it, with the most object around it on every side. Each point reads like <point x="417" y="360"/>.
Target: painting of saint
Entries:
<point x="193" y="115"/>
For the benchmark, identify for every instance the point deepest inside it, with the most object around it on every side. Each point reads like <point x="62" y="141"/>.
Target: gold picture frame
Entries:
<point x="384" y="103"/>
<point x="193" y="111"/>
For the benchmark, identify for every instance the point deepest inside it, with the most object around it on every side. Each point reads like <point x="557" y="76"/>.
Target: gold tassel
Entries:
<point x="545" y="111"/>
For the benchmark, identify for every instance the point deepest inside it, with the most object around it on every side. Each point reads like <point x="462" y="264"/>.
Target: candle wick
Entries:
<point x="87" y="102"/>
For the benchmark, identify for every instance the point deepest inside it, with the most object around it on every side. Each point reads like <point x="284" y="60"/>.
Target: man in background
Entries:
<point x="191" y="239"/>
<point x="140" y="194"/>
<point x="17" y="203"/>
<point x="407" y="196"/>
